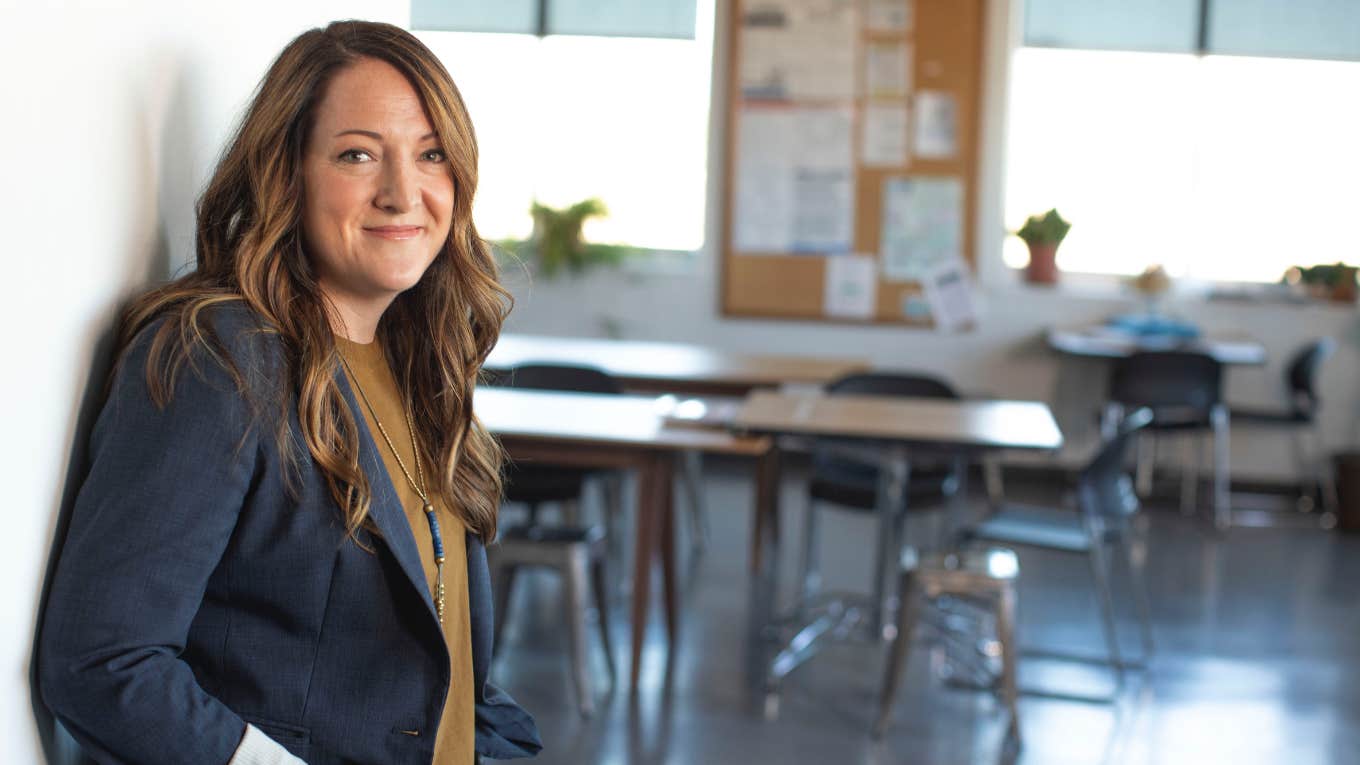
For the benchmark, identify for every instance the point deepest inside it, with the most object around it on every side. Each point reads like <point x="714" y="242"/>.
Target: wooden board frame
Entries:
<point x="946" y="39"/>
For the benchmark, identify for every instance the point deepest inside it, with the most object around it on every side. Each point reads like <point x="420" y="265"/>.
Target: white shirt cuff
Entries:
<point x="258" y="749"/>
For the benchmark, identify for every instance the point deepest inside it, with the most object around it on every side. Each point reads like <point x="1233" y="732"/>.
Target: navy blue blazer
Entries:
<point x="198" y="589"/>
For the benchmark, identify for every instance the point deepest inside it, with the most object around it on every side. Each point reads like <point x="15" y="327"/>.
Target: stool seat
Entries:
<point x="538" y="533"/>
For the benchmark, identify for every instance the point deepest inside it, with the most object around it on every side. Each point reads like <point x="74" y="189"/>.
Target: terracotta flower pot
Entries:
<point x="1043" y="263"/>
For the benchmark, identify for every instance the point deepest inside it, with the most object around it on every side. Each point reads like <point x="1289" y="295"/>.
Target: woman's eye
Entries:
<point x="433" y="155"/>
<point x="355" y="156"/>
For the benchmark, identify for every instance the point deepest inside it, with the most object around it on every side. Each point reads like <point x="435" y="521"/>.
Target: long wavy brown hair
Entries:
<point x="250" y="249"/>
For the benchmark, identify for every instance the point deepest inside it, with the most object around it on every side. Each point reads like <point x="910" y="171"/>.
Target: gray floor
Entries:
<point x="1258" y="660"/>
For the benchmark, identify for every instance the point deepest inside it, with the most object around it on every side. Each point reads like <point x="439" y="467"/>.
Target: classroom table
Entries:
<point x="1102" y="341"/>
<point x="627" y="432"/>
<point x="889" y="432"/>
<point x="671" y="367"/>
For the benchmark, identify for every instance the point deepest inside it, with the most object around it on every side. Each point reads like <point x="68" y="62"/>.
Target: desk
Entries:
<point x="1100" y="341"/>
<point x="893" y="429"/>
<point x="624" y="432"/>
<point x="671" y="367"/>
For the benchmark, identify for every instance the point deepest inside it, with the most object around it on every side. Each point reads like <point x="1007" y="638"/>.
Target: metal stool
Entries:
<point x="987" y="574"/>
<point x="579" y="554"/>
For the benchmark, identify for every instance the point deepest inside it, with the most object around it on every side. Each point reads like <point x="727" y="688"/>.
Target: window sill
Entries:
<point x="1110" y="287"/>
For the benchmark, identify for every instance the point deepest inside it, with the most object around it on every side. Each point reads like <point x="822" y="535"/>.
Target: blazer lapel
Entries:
<point x="385" y="508"/>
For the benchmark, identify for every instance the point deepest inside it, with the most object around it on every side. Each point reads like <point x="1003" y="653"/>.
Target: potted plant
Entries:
<point x="1326" y="282"/>
<point x="1043" y="234"/>
<point x="557" y="243"/>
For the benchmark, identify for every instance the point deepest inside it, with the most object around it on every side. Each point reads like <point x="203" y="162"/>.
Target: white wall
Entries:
<point x="111" y="115"/>
<point x="1004" y="356"/>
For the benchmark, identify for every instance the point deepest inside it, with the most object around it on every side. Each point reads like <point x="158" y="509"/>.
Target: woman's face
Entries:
<point x="378" y="194"/>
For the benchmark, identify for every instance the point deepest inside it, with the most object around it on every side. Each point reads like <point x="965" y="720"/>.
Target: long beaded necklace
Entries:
<point x="419" y="489"/>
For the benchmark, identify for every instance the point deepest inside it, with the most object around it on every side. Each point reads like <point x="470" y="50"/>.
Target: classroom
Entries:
<point x="816" y="381"/>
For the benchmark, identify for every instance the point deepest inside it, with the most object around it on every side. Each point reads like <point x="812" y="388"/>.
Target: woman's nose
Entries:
<point x="399" y="190"/>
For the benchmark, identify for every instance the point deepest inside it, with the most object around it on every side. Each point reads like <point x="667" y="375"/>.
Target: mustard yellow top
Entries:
<point x="455" y="739"/>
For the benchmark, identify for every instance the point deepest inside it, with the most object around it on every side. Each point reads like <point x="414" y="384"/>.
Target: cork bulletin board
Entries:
<point x="851" y="157"/>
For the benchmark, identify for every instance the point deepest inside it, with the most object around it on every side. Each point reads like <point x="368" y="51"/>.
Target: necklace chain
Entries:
<point x="419" y="488"/>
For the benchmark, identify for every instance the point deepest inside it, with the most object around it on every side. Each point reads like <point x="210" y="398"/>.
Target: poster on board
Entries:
<point x="922" y="225"/>
<point x="795" y="180"/>
<point x="798" y="50"/>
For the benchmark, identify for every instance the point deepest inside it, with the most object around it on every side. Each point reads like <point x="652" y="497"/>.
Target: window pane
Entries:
<point x="1223" y="167"/>
<point x="622" y="18"/>
<point x="1279" y="166"/>
<point x="516" y="16"/>
<point x="564" y="118"/>
<point x="1105" y="137"/>
<point x="1297" y="28"/>
<point x="1146" y="25"/>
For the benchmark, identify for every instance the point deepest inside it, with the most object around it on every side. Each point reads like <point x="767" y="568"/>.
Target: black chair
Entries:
<point x="1106" y="503"/>
<point x="843" y="482"/>
<point x="537" y="484"/>
<point x="1184" y="390"/>
<point x="1300" y="415"/>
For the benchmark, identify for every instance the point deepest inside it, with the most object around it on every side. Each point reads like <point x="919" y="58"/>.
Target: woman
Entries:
<point x="278" y="553"/>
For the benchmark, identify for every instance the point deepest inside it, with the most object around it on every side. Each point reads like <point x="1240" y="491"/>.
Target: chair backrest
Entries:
<point x="891" y="384"/>
<point x="567" y="377"/>
<point x="1301" y="375"/>
<point x="1104" y="487"/>
<point x="1185" y="380"/>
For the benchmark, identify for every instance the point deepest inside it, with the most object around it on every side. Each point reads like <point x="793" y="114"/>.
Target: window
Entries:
<point x="564" y="118"/>
<point x="1220" y="168"/>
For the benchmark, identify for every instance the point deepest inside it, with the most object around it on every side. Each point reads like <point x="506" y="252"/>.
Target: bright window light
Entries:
<point x="564" y="118"/>
<point x="1219" y="168"/>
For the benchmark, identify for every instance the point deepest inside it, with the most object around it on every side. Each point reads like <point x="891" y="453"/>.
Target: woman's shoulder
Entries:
<point x="219" y="342"/>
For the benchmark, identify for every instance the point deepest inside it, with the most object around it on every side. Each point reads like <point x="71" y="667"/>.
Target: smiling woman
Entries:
<point x="277" y="555"/>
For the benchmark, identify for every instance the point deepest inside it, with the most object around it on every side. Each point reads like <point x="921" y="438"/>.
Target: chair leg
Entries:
<point x="1100" y="570"/>
<point x="611" y="489"/>
<point x="692" y="472"/>
<point x="1189" y="473"/>
<point x="576" y="585"/>
<point x="600" y="581"/>
<point x="502" y="583"/>
<point x="1141" y="603"/>
<point x="571" y="512"/>
<point x="810" y="579"/>
<point x="992" y="481"/>
<point x="1222" y="474"/>
<point x="1005" y="632"/>
<point x="1331" y="503"/>
<point x="899" y="649"/>
<point x="1147" y="452"/>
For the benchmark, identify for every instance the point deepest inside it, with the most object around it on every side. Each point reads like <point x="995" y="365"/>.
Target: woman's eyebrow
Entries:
<point x="376" y="136"/>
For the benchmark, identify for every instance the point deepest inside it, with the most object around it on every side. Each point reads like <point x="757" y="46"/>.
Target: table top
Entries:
<point x="655" y="366"/>
<point x="600" y="419"/>
<point x="928" y="422"/>
<point x="1100" y="341"/>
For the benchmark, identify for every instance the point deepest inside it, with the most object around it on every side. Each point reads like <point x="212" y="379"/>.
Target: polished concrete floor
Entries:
<point x="1258" y="659"/>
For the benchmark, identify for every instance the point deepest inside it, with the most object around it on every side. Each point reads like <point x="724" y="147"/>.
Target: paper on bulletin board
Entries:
<point x="949" y="291"/>
<point x="922" y="225"/>
<point x="888" y="16"/>
<point x="884" y="140"/>
<point x="937" y="125"/>
<point x="887" y="69"/>
<point x="798" y="50"/>
<point x="851" y="286"/>
<point x="795" y="180"/>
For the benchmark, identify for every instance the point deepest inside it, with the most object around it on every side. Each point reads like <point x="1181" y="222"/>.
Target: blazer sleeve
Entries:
<point x="149" y="526"/>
